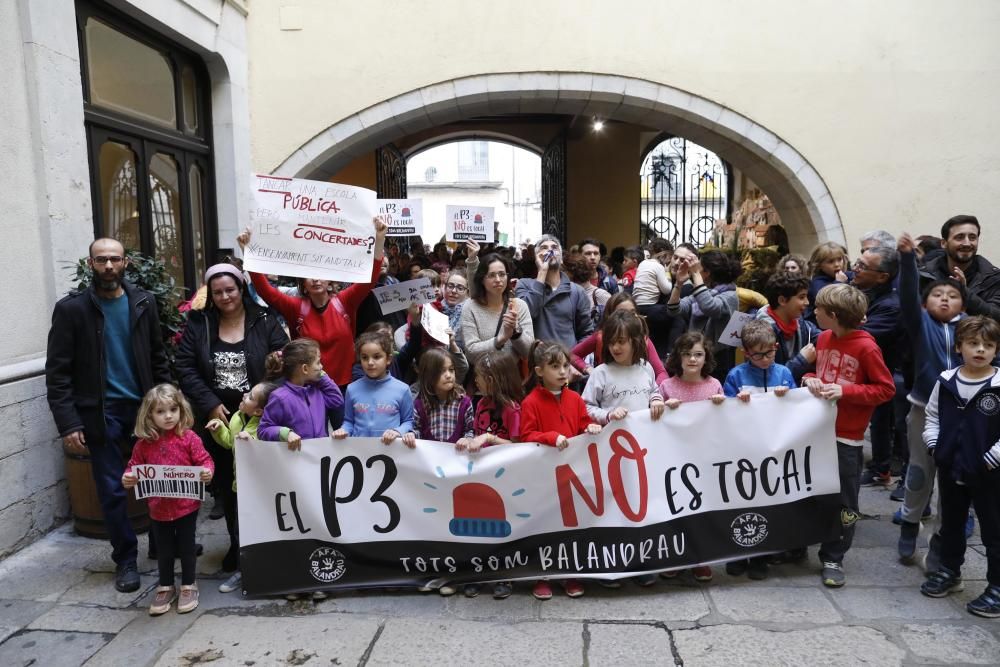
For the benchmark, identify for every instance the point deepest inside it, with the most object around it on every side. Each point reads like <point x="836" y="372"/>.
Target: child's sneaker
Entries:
<point x="470" y="590"/>
<point x="942" y="582"/>
<point x="757" y="568"/>
<point x="502" y="590"/>
<point x="188" y="600"/>
<point x="165" y="596"/>
<point x="907" y="546"/>
<point x="542" y="590"/>
<point x="645" y="580"/>
<point x="319" y="595"/>
<point x="232" y="583"/>
<point x="292" y="597"/>
<point x="736" y="568"/>
<point x="573" y="588"/>
<point x="833" y="575"/>
<point x="872" y="477"/>
<point x="900" y="491"/>
<point x="670" y="574"/>
<point x="986" y="605"/>
<point x="446" y="591"/>
<point x="702" y="573"/>
<point x="613" y="584"/>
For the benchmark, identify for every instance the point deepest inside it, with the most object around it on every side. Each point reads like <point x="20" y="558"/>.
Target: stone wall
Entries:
<point x="33" y="495"/>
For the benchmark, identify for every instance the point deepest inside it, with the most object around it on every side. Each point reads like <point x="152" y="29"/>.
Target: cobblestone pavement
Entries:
<point x="58" y="607"/>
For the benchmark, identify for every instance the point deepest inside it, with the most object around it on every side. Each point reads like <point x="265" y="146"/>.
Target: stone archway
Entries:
<point x="798" y="192"/>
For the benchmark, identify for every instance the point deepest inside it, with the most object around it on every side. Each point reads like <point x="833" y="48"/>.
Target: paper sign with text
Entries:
<point x="393" y="298"/>
<point x="405" y="217"/>
<point x="469" y="222"/>
<point x="435" y="324"/>
<point x="700" y="485"/>
<point x="168" y="482"/>
<point x="311" y="229"/>
<point x="731" y="334"/>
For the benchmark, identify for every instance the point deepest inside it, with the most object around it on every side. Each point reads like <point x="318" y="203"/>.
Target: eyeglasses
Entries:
<point x="861" y="266"/>
<point x="455" y="287"/>
<point x="100" y="260"/>
<point x="497" y="276"/>
<point x="760" y="356"/>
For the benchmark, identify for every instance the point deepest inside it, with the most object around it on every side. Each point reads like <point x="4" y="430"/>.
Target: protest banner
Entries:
<point x="405" y="217"/>
<point x="731" y="334"/>
<point x="465" y="223"/>
<point x="706" y="483"/>
<point x="311" y="229"/>
<point x="435" y="324"/>
<point x="393" y="298"/>
<point x="157" y="481"/>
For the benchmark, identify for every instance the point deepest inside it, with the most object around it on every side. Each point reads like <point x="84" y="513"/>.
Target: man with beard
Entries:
<point x="599" y="276"/>
<point x="104" y="353"/>
<point x="960" y="261"/>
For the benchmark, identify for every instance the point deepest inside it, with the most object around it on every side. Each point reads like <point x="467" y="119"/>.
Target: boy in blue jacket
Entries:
<point x="931" y="330"/>
<point x="963" y="436"/>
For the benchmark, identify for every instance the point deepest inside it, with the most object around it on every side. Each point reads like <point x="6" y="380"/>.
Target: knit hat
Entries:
<point x="217" y="269"/>
<point x="479" y="512"/>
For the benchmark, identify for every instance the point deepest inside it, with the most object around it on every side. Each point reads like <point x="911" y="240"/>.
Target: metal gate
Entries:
<point x="685" y="188"/>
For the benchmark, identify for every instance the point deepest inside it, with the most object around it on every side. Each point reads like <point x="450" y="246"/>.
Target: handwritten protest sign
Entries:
<point x="435" y="324"/>
<point x="405" y="217"/>
<point x="393" y="298"/>
<point x="311" y="229"/>
<point x="698" y="486"/>
<point x="169" y="482"/>
<point x="469" y="222"/>
<point x="731" y="334"/>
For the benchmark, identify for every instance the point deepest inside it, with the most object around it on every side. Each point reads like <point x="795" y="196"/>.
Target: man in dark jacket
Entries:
<point x="961" y="261"/>
<point x="104" y="353"/>
<point x="875" y="271"/>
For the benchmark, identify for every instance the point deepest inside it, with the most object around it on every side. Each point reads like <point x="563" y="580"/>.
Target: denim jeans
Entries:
<point x="107" y="463"/>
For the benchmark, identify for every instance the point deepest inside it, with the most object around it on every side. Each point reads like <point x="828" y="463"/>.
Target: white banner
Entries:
<point x="157" y="481"/>
<point x="469" y="222"/>
<point x="311" y="229"/>
<point x="405" y="217"/>
<point x="705" y="483"/>
<point x="393" y="298"/>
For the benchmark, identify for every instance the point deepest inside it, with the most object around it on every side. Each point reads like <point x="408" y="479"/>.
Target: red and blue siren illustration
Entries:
<point x="406" y="212"/>
<point x="479" y="511"/>
<point x="478" y="219"/>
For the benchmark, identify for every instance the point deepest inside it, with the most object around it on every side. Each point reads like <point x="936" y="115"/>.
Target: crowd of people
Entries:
<point x="546" y="343"/>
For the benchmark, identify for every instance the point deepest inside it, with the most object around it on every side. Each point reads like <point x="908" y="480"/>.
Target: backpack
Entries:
<point x="306" y="304"/>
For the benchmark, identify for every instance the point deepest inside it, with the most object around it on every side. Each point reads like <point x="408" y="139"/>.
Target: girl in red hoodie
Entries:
<point x="163" y="426"/>
<point x="551" y="415"/>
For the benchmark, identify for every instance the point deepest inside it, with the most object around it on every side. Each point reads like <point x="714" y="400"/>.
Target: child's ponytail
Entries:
<point x="281" y="363"/>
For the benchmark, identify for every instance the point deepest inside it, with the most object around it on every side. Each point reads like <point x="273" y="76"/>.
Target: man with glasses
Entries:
<point x="875" y="272"/>
<point x="104" y="353"/>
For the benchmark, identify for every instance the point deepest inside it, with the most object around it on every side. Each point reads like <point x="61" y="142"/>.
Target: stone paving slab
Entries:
<point x="748" y="646"/>
<point x="51" y="649"/>
<point x="885" y="603"/>
<point x="323" y="639"/>
<point x="659" y="603"/>
<point x="421" y="642"/>
<point x="951" y="644"/>
<point x="75" y="618"/>
<point x="632" y="645"/>
<point x="98" y="588"/>
<point x="774" y="605"/>
<point x="143" y="639"/>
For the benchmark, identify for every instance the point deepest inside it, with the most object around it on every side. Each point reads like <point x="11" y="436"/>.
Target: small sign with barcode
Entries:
<point x="169" y="482"/>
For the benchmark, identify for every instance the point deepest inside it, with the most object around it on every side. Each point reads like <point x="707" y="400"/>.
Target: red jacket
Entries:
<point x="333" y="332"/>
<point x="544" y="417"/>
<point x="175" y="450"/>
<point x="855" y="363"/>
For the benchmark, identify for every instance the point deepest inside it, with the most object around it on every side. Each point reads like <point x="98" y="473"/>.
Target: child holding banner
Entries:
<point x="849" y="370"/>
<point x="552" y="414"/>
<point x="377" y="405"/>
<point x="163" y="426"/>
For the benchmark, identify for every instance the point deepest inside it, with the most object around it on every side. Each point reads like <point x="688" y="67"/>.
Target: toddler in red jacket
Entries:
<point x="163" y="426"/>
<point x="552" y="414"/>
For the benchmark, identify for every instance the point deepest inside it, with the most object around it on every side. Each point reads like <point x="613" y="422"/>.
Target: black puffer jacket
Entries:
<point x="75" y="373"/>
<point x="262" y="335"/>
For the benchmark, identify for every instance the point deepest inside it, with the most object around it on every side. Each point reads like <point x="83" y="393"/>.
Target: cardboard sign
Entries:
<point x="698" y="486"/>
<point x="405" y="217"/>
<point x="731" y="334"/>
<point x="393" y="298"/>
<point x="169" y="482"/>
<point x="469" y="222"/>
<point x="435" y="324"/>
<point x="311" y="229"/>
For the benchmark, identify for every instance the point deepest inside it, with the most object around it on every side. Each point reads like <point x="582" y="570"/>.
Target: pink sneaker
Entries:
<point x="573" y="588"/>
<point x="703" y="573"/>
<point x="542" y="590"/>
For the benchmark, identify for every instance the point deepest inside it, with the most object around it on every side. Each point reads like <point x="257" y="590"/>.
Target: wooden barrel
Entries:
<point x="88" y="519"/>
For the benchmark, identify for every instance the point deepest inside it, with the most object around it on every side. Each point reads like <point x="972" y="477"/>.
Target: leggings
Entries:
<point x="177" y="534"/>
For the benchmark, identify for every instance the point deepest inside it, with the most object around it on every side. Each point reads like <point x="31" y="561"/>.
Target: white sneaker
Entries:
<point x="232" y="583"/>
<point x="319" y="595"/>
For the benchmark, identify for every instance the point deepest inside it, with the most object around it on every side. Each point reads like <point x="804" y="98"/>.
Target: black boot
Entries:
<point x="907" y="546"/>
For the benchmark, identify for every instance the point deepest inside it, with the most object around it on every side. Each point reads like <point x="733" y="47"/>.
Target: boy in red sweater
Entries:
<point x="851" y="371"/>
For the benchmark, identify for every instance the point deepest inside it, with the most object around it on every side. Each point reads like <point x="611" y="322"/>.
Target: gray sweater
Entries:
<point x="479" y="328"/>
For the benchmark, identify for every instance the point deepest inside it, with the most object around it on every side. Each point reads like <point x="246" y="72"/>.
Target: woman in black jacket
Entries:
<point x="219" y="359"/>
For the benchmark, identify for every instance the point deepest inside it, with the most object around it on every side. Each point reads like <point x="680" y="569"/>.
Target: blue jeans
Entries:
<point x="107" y="463"/>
